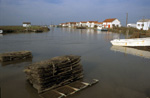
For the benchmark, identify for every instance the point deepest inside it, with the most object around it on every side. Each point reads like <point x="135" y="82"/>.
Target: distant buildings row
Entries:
<point x="107" y="23"/>
<point x="143" y="24"/>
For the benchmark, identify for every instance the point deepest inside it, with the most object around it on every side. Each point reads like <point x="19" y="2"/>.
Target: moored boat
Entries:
<point x="131" y="42"/>
<point x="101" y="28"/>
<point x="1" y="31"/>
<point x="104" y="30"/>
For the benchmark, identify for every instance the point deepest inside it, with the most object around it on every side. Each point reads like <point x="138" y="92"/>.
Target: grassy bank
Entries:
<point x="17" y="29"/>
<point x="133" y="32"/>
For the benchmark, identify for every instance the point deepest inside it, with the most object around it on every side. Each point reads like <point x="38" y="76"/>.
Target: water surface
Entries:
<point x="121" y="75"/>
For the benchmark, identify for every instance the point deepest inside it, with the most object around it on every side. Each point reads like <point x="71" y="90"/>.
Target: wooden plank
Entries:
<point x="52" y="94"/>
<point x="70" y="89"/>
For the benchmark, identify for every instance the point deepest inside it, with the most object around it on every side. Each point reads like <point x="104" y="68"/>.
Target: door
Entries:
<point x="109" y="26"/>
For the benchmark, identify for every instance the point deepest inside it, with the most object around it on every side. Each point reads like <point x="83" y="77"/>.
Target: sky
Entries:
<point x="46" y="12"/>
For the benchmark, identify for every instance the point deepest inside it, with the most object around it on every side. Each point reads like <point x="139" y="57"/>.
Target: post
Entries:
<point x="143" y="23"/>
<point x="127" y="34"/>
<point x="126" y="19"/>
<point x="127" y="31"/>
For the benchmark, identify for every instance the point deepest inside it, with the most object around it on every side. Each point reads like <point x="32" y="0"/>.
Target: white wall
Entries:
<point x="92" y="25"/>
<point x="71" y="25"/>
<point x="64" y="25"/>
<point x="116" y="23"/>
<point x="145" y="27"/>
<point x="26" y="25"/>
<point x="131" y="25"/>
<point x="105" y="25"/>
<point x="77" y="24"/>
<point x="83" y="24"/>
<point x="88" y="24"/>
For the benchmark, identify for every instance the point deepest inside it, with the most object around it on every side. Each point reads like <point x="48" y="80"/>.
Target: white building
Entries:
<point x="77" y="24"/>
<point x="82" y="24"/>
<point x="94" y="24"/>
<point x="99" y="24"/>
<point x="71" y="24"/>
<point x="110" y="23"/>
<point x="143" y="24"/>
<point x="26" y="24"/>
<point x="131" y="25"/>
<point x="63" y="24"/>
<point x="91" y="24"/>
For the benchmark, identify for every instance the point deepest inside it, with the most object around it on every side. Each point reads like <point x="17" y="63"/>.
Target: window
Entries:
<point x="142" y="25"/>
<point x="138" y="24"/>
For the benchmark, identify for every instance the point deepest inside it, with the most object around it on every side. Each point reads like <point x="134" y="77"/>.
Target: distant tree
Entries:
<point x="95" y="26"/>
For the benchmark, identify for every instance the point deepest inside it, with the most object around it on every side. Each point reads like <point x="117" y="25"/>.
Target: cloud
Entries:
<point x="14" y="12"/>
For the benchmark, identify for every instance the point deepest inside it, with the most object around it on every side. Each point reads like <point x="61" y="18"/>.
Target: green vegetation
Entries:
<point x="18" y="29"/>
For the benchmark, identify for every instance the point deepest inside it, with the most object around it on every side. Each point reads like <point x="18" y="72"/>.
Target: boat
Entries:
<point x="1" y="31"/>
<point x="101" y="28"/>
<point x="132" y="51"/>
<point x="104" y="29"/>
<point x="131" y="42"/>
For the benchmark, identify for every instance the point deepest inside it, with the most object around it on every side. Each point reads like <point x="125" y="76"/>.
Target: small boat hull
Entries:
<point x="131" y="42"/>
<point x="104" y="30"/>
<point x="1" y="31"/>
<point x="101" y="28"/>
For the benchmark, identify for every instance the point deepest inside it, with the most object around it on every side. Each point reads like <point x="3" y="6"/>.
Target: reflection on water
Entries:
<point x="1" y="35"/>
<point x="32" y="92"/>
<point x="120" y="76"/>
<point x="133" y="51"/>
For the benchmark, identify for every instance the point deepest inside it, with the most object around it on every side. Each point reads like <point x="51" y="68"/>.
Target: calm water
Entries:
<point x="121" y="75"/>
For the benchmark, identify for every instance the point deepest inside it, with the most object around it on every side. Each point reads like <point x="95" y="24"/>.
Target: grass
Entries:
<point x="16" y="29"/>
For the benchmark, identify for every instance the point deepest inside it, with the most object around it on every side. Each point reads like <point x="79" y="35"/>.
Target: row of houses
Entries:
<point x="143" y="24"/>
<point x="107" y="23"/>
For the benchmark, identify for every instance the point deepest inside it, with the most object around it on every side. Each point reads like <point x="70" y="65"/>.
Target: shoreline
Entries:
<point x="132" y="32"/>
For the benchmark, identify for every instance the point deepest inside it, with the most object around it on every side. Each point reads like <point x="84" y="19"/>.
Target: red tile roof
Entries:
<point x="109" y="20"/>
<point x="83" y="22"/>
<point x="99" y="23"/>
<point x="92" y="21"/>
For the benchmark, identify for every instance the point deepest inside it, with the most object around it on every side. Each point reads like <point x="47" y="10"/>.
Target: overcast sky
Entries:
<point x="45" y="12"/>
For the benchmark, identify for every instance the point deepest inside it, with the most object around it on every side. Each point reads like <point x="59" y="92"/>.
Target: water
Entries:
<point x="121" y="75"/>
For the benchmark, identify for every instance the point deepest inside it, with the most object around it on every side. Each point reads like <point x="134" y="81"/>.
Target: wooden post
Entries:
<point x="127" y="33"/>
<point x="143" y="23"/>
<point x="126" y="19"/>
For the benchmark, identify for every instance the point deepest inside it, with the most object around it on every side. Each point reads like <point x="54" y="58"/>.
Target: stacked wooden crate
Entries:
<point x="55" y="72"/>
<point x="13" y="56"/>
